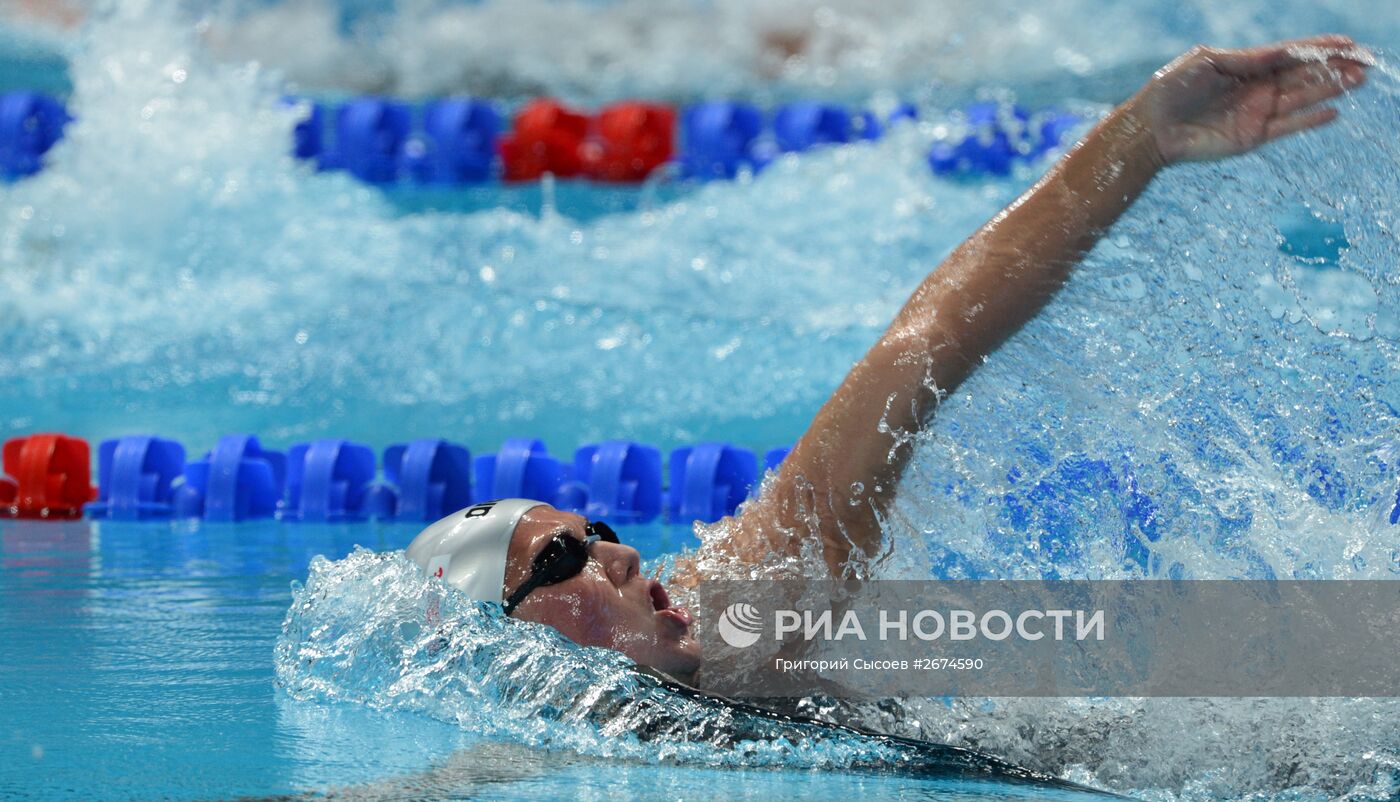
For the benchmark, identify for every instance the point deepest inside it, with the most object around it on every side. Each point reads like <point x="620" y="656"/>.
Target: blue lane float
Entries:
<point x="972" y="155"/>
<point x="804" y="125"/>
<point x="136" y="476"/>
<point x="458" y="145"/>
<point x="308" y="136"/>
<point x="716" y="138"/>
<point x="328" y="481"/>
<point x="618" y="480"/>
<point x="375" y="139"/>
<point x="370" y="134"/>
<point x="799" y="127"/>
<point x="998" y="135"/>
<point x="1054" y="130"/>
<point x="708" y="481"/>
<point x="425" y="480"/>
<point x="867" y="124"/>
<point x="522" y="468"/>
<point x="145" y="477"/>
<point x="237" y="480"/>
<point x="775" y="456"/>
<point x="30" y="124"/>
<point x="987" y="147"/>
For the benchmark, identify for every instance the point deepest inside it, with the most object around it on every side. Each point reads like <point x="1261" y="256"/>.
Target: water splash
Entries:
<point x="1200" y="402"/>
<point x="374" y="630"/>
<point x="682" y="50"/>
<point x="173" y="248"/>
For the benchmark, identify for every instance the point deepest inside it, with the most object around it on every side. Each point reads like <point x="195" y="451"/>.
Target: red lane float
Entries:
<point x="631" y="139"/>
<point x="622" y="143"/>
<point x="52" y="477"/>
<point x="547" y="137"/>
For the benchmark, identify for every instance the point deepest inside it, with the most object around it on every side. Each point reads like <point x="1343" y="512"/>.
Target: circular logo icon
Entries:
<point x="740" y="625"/>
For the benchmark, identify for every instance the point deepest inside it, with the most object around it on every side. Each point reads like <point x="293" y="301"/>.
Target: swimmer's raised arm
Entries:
<point x="1208" y="104"/>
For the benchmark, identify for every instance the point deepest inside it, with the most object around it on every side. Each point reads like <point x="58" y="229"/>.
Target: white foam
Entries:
<point x="175" y="270"/>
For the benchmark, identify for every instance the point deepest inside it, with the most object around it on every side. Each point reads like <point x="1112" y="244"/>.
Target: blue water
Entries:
<point x="1204" y="400"/>
<point x="137" y="664"/>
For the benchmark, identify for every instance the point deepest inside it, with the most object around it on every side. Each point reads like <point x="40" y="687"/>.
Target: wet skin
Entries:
<point x="609" y="604"/>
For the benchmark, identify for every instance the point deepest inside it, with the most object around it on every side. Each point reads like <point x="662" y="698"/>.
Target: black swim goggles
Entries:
<point x="561" y="559"/>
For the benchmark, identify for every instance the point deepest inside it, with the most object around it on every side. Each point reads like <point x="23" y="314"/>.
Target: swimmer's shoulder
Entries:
<point x="750" y="545"/>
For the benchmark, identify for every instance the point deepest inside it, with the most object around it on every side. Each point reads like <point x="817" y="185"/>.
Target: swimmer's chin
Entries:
<point x="690" y="659"/>
<point x="688" y="676"/>
<point x="682" y="660"/>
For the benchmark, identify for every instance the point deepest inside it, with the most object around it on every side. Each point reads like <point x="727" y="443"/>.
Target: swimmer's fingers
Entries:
<point x="1310" y="84"/>
<point x="1258" y="62"/>
<point x="1298" y="121"/>
<point x="1333" y="71"/>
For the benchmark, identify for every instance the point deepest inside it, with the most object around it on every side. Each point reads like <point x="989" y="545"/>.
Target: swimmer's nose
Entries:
<point x="622" y="563"/>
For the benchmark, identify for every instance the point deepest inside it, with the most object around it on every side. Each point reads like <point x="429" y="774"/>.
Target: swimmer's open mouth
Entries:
<point x="661" y="603"/>
<point x="660" y="599"/>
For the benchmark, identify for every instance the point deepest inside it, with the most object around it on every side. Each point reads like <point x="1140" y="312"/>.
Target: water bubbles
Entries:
<point x="371" y="629"/>
<point x="1232" y="439"/>
<point x="1170" y="414"/>
<point x="727" y="285"/>
<point x="594" y="52"/>
<point x="725" y="350"/>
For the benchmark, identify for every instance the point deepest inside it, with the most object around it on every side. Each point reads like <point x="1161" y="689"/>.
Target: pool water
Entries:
<point x="137" y="664"/>
<point x="1205" y="399"/>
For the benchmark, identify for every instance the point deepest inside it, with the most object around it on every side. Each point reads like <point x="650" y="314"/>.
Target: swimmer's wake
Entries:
<point x="368" y="629"/>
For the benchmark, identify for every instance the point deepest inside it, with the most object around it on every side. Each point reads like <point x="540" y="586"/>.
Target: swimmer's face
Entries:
<point x="608" y="604"/>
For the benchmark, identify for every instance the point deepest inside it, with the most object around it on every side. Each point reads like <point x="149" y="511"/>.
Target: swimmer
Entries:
<point x="560" y="569"/>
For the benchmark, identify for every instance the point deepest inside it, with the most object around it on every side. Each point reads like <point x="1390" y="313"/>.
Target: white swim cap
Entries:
<point x="467" y="549"/>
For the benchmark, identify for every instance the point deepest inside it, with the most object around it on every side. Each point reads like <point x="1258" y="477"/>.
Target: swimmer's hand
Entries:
<point x="1210" y="103"/>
